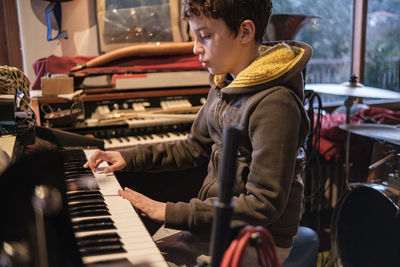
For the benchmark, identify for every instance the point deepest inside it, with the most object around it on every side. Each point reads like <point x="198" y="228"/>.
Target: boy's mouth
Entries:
<point x="204" y="64"/>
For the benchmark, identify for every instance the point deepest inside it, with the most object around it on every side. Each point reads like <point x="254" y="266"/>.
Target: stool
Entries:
<point x="305" y="249"/>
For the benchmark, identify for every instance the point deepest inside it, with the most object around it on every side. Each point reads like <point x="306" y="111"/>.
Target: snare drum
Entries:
<point x="366" y="227"/>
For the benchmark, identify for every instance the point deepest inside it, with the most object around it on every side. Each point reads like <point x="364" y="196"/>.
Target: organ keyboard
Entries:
<point x="127" y="141"/>
<point x="106" y="226"/>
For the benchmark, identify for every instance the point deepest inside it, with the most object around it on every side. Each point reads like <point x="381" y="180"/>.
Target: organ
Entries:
<point x="123" y="119"/>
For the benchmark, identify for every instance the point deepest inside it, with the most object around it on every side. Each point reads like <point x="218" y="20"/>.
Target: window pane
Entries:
<point x="330" y="37"/>
<point x="383" y="44"/>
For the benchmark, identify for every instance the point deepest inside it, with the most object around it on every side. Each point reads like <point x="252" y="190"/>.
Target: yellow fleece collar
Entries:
<point x="272" y="63"/>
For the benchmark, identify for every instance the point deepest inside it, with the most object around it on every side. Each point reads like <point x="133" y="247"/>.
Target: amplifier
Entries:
<point x="7" y="109"/>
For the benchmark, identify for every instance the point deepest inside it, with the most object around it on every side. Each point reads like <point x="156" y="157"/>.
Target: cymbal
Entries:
<point x="386" y="132"/>
<point x="358" y="91"/>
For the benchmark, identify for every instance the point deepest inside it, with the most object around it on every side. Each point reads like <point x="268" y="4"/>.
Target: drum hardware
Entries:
<point x="393" y="178"/>
<point x="352" y="90"/>
<point x="380" y="162"/>
<point x="394" y="181"/>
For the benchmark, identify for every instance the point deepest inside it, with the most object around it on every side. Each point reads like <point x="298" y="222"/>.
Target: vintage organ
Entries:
<point x="123" y="119"/>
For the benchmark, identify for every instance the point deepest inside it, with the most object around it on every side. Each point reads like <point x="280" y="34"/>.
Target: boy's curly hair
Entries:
<point x="233" y="12"/>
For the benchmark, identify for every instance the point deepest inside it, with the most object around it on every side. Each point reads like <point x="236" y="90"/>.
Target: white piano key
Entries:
<point x="139" y="245"/>
<point x="144" y="139"/>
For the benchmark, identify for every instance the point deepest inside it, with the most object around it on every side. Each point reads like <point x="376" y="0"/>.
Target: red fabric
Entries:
<point x="332" y="138"/>
<point x="382" y="115"/>
<point x="55" y="65"/>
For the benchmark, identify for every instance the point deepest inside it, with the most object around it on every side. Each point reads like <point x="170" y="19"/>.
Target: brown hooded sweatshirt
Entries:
<point x="266" y="99"/>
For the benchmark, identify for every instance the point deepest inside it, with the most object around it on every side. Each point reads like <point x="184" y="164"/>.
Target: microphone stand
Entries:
<point x="46" y="200"/>
<point x="223" y="206"/>
<point x="348" y="104"/>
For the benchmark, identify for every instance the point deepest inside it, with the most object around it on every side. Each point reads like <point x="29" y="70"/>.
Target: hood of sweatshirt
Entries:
<point x="279" y="63"/>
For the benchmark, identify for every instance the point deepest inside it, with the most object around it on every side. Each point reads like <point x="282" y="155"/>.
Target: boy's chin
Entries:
<point x="214" y="71"/>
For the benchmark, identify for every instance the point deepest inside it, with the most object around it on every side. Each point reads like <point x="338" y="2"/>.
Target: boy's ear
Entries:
<point x="247" y="31"/>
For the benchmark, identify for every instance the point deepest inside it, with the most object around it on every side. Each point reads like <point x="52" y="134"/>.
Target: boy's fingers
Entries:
<point x="127" y="189"/>
<point x="109" y="169"/>
<point x="112" y="168"/>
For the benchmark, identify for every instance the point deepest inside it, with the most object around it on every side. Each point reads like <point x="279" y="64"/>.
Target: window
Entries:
<point x="331" y="39"/>
<point x="382" y="52"/>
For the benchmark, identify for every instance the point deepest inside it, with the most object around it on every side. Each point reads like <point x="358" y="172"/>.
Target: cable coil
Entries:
<point x="258" y="237"/>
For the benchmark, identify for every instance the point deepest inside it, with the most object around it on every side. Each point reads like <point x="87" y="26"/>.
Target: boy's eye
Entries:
<point x="205" y="37"/>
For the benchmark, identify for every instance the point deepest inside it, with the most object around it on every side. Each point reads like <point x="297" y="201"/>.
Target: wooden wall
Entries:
<point x="10" y="44"/>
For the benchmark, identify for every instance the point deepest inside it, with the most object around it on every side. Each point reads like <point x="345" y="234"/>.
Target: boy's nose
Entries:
<point x="196" y="48"/>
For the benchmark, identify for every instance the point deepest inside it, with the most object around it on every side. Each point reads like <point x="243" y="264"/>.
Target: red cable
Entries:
<point x="235" y="253"/>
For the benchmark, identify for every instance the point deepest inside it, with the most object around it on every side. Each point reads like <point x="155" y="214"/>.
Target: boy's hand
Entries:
<point x="113" y="157"/>
<point x="155" y="210"/>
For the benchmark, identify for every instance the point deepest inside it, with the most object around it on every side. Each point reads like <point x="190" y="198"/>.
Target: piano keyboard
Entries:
<point x="127" y="141"/>
<point x="106" y="226"/>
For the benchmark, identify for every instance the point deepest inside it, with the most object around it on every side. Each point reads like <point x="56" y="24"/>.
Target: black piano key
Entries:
<point x="79" y="176"/>
<point x="84" y="192"/>
<point x="85" y="197"/>
<point x="83" y="187"/>
<point x="78" y="171"/>
<point x="82" y="184"/>
<point x="93" y="224"/>
<point x="100" y="242"/>
<point x="90" y="213"/>
<point x="87" y="206"/>
<point x="74" y="171"/>
<point x="95" y="237"/>
<point x="121" y="262"/>
<point x="102" y="250"/>
<point x="83" y="204"/>
<point x="74" y="162"/>
<point x="90" y="221"/>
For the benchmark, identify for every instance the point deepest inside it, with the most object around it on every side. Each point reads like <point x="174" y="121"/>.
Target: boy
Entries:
<point x="257" y="87"/>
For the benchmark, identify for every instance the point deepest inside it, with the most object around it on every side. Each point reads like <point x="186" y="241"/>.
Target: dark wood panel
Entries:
<point x="119" y="94"/>
<point x="11" y="46"/>
<point x="3" y="39"/>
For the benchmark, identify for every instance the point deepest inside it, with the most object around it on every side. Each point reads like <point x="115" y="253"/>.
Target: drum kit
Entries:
<point x="365" y="228"/>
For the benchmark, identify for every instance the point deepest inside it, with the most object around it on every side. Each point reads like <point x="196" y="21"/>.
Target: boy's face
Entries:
<point x="216" y="45"/>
